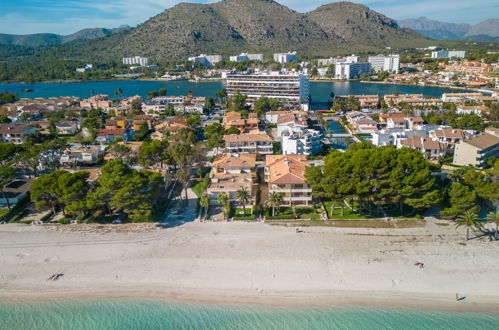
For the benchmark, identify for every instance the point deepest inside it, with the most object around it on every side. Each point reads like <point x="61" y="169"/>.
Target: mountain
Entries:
<point x="486" y="28"/>
<point x="46" y="39"/>
<point x="484" y="31"/>
<point x="232" y="26"/>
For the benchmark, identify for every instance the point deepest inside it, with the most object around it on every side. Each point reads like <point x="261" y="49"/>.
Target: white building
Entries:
<point x="390" y="63"/>
<point x="351" y="70"/>
<point x="448" y="54"/>
<point x="142" y="61"/>
<point x="207" y="60"/>
<point x="306" y="142"/>
<point x="246" y="57"/>
<point x="290" y="89"/>
<point x="336" y="60"/>
<point x="285" y="57"/>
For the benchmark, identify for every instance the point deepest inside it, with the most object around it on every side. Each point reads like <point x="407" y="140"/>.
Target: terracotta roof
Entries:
<point x="297" y="119"/>
<point x="418" y="141"/>
<point x="103" y="132"/>
<point x="286" y="168"/>
<point x="12" y="129"/>
<point x="247" y="137"/>
<point x="451" y="133"/>
<point x="483" y="141"/>
<point x="235" y="160"/>
<point x="230" y="182"/>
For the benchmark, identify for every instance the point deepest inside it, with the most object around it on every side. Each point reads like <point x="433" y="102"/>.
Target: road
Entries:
<point x="181" y="211"/>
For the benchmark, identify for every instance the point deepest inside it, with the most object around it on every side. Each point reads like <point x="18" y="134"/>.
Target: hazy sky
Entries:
<point x="68" y="16"/>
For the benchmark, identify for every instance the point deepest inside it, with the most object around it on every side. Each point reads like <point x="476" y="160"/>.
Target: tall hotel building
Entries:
<point x="292" y="90"/>
<point x="390" y="63"/>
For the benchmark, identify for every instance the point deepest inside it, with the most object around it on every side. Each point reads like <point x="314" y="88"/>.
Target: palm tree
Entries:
<point x="223" y="200"/>
<point x="274" y="201"/>
<point x="469" y="220"/>
<point x="204" y="202"/>
<point x="494" y="217"/>
<point x="6" y="176"/>
<point x="243" y="196"/>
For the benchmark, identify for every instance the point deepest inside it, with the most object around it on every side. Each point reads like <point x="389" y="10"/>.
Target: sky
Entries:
<point x="68" y="16"/>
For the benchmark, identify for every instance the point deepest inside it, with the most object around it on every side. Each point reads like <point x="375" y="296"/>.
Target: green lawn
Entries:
<point x="351" y="223"/>
<point x="392" y="210"/>
<point x="239" y="214"/>
<point x="286" y="212"/>
<point x="200" y="188"/>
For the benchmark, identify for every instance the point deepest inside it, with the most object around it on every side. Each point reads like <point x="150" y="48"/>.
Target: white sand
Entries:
<point x="251" y="263"/>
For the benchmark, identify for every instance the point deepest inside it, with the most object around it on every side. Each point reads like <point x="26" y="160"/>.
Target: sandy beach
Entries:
<point x="251" y="263"/>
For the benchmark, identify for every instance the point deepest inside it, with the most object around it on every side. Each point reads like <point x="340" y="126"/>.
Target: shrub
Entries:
<point x="65" y="221"/>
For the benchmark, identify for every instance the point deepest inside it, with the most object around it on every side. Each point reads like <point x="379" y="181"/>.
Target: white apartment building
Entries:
<point x="448" y="54"/>
<point x="290" y="89"/>
<point x="336" y="60"/>
<point x="285" y="57"/>
<point x="351" y="70"/>
<point x="142" y="61"/>
<point x="246" y="56"/>
<point x="306" y="142"/>
<point x="207" y="60"/>
<point x="390" y="63"/>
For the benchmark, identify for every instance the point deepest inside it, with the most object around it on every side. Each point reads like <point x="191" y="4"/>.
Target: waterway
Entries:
<point x="320" y="91"/>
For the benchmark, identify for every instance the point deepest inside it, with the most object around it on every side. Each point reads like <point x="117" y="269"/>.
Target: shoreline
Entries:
<point x="324" y="300"/>
<point x="251" y="264"/>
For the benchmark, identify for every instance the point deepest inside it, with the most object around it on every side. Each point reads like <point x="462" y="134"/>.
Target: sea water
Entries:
<point x="160" y="315"/>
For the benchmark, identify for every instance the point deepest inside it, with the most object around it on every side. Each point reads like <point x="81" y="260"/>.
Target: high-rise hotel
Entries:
<point x="292" y="90"/>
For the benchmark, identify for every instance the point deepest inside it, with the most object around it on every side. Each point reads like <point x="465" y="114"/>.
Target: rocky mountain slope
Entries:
<point x="485" y="31"/>
<point x="46" y="39"/>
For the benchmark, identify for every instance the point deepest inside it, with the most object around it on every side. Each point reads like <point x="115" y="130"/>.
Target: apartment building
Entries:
<point x="107" y="136"/>
<point x="470" y="68"/>
<point x="100" y="101"/>
<point x="361" y="123"/>
<point x="366" y="101"/>
<point x="208" y="60"/>
<point x="292" y="90"/>
<point x="390" y="63"/>
<point x="230" y="173"/>
<point x="285" y="57"/>
<point x="285" y="175"/>
<point x="477" y="150"/>
<point x="346" y="70"/>
<point x="414" y="100"/>
<point x="16" y="134"/>
<point x="448" y="54"/>
<point x="449" y="136"/>
<point x="249" y="143"/>
<point x="431" y="149"/>
<point x="80" y="155"/>
<point x="137" y="60"/>
<point x="306" y="142"/>
<point x="161" y="103"/>
<point x="244" y="125"/>
<point x="246" y="57"/>
<point x="291" y="121"/>
<point x="460" y="97"/>
<point x="168" y="127"/>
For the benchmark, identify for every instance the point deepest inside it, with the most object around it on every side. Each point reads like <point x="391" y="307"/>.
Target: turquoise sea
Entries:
<point x="125" y="315"/>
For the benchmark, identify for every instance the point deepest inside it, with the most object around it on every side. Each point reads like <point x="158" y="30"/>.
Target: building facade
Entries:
<point x="390" y="63"/>
<point x="285" y="57"/>
<point x="347" y="70"/>
<point x="290" y="89"/>
<point x="137" y="60"/>
<point x="477" y="150"/>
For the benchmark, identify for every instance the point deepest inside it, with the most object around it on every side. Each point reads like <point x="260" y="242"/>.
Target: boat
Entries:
<point x="27" y="90"/>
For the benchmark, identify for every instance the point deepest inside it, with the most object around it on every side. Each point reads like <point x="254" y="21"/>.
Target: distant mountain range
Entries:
<point x="485" y="31"/>
<point x="46" y="39"/>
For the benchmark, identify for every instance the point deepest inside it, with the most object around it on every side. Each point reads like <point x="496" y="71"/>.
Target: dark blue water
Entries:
<point x="320" y="90"/>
